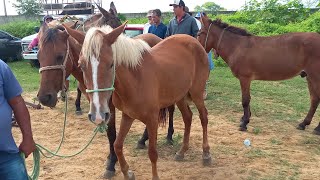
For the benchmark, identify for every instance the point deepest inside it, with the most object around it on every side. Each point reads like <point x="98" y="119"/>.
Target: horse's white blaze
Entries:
<point x="94" y="64"/>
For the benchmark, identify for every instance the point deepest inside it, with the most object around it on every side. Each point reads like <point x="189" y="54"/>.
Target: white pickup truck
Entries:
<point x="30" y="55"/>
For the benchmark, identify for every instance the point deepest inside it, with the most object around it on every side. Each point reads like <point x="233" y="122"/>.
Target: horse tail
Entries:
<point x="163" y="116"/>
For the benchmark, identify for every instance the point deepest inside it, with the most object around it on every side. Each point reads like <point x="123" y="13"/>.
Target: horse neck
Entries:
<point x="228" y="42"/>
<point x="75" y="71"/>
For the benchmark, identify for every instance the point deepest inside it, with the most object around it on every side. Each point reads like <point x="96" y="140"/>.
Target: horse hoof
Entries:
<point x="301" y="127"/>
<point x="79" y="113"/>
<point x="178" y="157"/>
<point x="141" y="146"/>
<point x="316" y="132"/>
<point x="109" y="174"/>
<point x="207" y="160"/>
<point x="243" y="128"/>
<point x="131" y="175"/>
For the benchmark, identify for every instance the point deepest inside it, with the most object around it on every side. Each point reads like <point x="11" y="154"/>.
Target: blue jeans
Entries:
<point x="13" y="168"/>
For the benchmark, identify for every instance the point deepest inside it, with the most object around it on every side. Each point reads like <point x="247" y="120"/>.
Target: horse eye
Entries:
<point x="60" y="59"/>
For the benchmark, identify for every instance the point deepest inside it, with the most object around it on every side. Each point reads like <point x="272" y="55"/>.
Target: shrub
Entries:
<point x="20" y="28"/>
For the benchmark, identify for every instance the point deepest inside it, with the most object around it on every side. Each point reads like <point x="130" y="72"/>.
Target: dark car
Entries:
<point x="10" y="47"/>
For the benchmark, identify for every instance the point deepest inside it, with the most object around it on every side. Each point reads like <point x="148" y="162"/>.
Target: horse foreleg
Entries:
<point x="77" y="102"/>
<point x="314" y="102"/>
<point x="245" y="89"/>
<point x="111" y="133"/>
<point x="125" y="125"/>
<point x="170" y="128"/>
<point x="187" y="119"/>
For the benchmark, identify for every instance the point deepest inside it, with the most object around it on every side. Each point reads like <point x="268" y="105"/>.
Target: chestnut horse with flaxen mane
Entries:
<point x="144" y="81"/>
<point x="269" y="58"/>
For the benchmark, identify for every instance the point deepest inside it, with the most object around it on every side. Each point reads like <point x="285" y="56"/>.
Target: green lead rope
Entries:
<point x="40" y="149"/>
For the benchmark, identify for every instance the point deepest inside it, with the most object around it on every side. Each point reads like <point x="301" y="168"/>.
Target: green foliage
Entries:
<point x="20" y="28"/>
<point x="273" y="11"/>
<point x="209" y="7"/>
<point x="122" y="17"/>
<point x="28" y="7"/>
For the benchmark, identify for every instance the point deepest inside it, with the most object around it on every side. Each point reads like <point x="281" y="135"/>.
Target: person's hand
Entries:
<point x="27" y="147"/>
<point x="29" y="48"/>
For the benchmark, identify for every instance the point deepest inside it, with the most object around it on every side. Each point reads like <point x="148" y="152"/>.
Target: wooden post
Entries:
<point x="5" y="8"/>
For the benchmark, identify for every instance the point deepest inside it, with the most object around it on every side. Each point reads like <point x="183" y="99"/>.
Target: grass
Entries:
<point x="29" y="77"/>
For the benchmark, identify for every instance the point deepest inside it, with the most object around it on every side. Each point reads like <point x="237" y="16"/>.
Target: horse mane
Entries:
<point x="233" y="29"/>
<point x="134" y="48"/>
<point x="49" y="35"/>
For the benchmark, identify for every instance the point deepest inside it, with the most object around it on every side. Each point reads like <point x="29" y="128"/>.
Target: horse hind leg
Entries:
<point x="170" y="127"/>
<point x="187" y="119"/>
<point x="245" y="90"/>
<point x="198" y="100"/>
<point x="78" y="102"/>
<point x="152" y="127"/>
<point x="142" y="142"/>
<point x="314" y="90"/>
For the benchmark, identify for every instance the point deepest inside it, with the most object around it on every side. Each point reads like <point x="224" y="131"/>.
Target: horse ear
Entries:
<point x="113" y="35"/>
<point x="113" y="9"/>
<point x="78" y="35"/>
<point x="204" y="21"/>
<point x="104" y="12"/>
<point x="74" y="25"/>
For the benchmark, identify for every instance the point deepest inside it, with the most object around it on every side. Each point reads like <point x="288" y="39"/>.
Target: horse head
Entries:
<point x="97" y="63"/>
<point x="102" y="18"/>
<point x="54" y="52"/>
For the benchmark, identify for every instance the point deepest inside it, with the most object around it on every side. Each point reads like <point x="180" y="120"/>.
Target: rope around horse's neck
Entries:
<point x="40" y="149"/>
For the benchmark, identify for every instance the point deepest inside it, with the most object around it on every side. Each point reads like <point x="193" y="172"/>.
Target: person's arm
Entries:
<point x="22" y="116"/>
<point x="33" y="43"/>
<point x="194" y="28"/>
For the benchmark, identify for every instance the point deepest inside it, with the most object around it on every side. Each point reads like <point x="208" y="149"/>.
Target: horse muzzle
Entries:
<point x="49" y="99"/>
<point x="100" y="118"/>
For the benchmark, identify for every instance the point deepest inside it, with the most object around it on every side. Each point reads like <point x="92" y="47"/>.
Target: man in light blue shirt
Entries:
<point x="11" y="163"/>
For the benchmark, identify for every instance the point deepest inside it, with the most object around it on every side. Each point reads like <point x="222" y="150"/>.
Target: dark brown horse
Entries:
<point x="265" y="58"/>
<point x="144" y="80"/>
<point x="58" y="56"/>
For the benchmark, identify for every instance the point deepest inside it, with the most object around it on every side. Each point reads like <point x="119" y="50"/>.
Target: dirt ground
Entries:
<point x="278" y="150"/>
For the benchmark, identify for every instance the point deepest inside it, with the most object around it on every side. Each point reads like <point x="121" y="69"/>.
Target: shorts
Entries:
<point x="14" y="168"/>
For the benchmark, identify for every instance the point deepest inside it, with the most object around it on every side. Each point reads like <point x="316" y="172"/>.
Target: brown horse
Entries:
<point x="56" y="44"/>
<point x="144" y="80"/>
<point x="265" y="58"/>
<point x="58" y="56"/>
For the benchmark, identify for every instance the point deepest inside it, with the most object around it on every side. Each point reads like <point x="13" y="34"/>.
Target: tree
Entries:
<point x="28" y="7"/>
<point x="209" y="6"/>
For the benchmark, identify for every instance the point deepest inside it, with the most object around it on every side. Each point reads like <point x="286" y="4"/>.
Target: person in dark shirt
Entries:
<point x="182" y="23"/>
<point x="157" y="28"/>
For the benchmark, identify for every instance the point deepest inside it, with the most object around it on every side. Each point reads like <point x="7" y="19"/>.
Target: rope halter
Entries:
<point x="61" y="67"/>
<point x="105" y="89"/>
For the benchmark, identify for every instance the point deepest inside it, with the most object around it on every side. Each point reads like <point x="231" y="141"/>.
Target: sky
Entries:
<point x="135" y="6"/>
